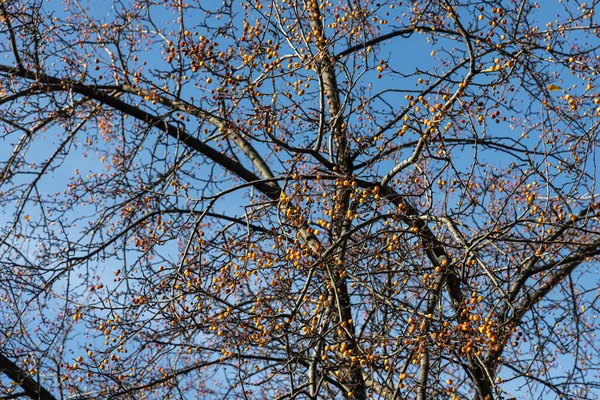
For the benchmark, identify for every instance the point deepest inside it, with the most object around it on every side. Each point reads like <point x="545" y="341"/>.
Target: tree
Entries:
<point x="299" y="199"/>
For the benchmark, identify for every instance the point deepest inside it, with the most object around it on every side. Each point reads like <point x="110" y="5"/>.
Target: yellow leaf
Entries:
<point x="553" y="87"/>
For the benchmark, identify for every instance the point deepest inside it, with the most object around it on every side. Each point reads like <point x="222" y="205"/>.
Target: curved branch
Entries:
<point x="270" y="189"/>
<point x="400" y="32"/>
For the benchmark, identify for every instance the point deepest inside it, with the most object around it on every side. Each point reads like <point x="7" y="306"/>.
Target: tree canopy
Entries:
<point x="299" y="199"/>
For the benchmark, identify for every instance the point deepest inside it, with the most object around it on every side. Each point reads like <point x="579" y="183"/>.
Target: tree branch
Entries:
<point x="32" y="388"/>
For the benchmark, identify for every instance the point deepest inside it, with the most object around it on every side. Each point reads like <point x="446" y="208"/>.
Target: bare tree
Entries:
<point x="299" y="199"/>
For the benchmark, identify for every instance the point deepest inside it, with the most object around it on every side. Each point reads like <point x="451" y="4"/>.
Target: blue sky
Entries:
<point x="414" y="53"/>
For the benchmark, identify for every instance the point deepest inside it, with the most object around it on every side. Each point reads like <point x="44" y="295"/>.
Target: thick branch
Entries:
<point x="32" y="388"/>
<point x="270" y="189"/>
